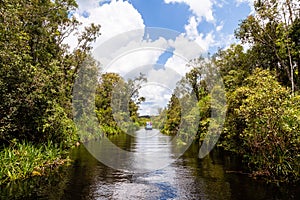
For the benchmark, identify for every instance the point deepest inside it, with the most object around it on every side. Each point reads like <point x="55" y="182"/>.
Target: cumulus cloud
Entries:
<point x="129" y="51"/>
<point x="178" y="64"/>
<point x="192" y="43"/>
<point x="123" y="48"/>
<point x="191" y="28"/>
<point x="141" y="56"/>
<point x="157" y="96"/>
<point x="205" y="41"/>
<point x="115" y="18"/>
<point x="202" y="9"/>
<point x="132" y="61"/>
<point x="85" y="5"/>
<point x="192" y="33"/>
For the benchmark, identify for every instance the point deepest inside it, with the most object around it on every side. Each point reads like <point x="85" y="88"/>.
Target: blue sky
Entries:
<point x="156" y="13"/>
<point x="208" y="23"/>
<point x="175" y="16"/>
<point x="216" y="20"/>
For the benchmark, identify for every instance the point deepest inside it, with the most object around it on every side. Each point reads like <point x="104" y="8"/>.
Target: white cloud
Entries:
<point x="157" y="96"/>
<point x="204" y="41"/>
<point x="132" y="61"/>
<point x="84" y="5"/>
<point x="191" y="28"/>
<point x="115" y="18"/>
<point x="128" y="52"/>
<point x="141" y="56"/>
<point x="185" y="47"/>
<point x="201" y="8"/>
<point x="178" y="64"/>
<point x="220" y="27"/>
<point x="166" y="77"/>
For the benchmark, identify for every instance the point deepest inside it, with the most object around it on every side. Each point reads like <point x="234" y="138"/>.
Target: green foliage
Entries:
<point x="158" y="121"/>
<point x="172" y="125"/>
<point x="262" y="122"/>
<point x="263" y="125"/>
<point x="103" y="101"/>
<point x="23" y="160"/>
<point x="57" y="127"/>
<point x="37" y="70"/>
<point x="117" y="103"/>
<point x="263" y="117"/>
<point x="204" y="111"/>
<point x="272" y="32"/>
<point x="142" y="120"/>
<point x="194" y="104"/>
<point x="234" y="65"/>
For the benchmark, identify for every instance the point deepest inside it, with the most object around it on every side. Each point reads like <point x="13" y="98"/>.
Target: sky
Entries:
<point x="184" y="29"/>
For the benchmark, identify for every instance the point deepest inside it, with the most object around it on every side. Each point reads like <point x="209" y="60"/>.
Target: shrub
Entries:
<point x="267" y="127"/>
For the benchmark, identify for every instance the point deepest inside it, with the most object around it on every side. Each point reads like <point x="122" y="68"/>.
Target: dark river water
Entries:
<point x="186" y="177"/>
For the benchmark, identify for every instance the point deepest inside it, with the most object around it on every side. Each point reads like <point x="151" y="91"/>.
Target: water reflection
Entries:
<point x="149" y="151"/>
<point x="185" y="178"/>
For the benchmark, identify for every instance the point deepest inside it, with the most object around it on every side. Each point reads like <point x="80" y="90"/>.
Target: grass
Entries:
<point x="24" y="160"/>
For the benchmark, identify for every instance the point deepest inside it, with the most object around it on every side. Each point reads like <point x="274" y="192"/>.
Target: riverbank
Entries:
<point x="186" y="178"/>
<point x="22" y="160"/>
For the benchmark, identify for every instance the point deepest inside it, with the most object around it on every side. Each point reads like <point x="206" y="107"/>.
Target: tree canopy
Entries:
<point x="38" y="69"/>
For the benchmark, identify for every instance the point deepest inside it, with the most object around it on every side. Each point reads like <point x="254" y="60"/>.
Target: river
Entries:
<point x="186" y="177"/>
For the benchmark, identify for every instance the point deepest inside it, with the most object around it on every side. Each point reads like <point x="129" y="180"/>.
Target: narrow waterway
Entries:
<point x="187" y="177"/>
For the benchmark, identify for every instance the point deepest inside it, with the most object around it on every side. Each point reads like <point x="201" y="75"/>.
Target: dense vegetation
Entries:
<point x="37" y="73"/>
<point x="262" y="89"/>
<point x="22" y="160"/>
<point x="117" y="103"/>
<point x="36" y="76"/>
<point x="38" y="70"/>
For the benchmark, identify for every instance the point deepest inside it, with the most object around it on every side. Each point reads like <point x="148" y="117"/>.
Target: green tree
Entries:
<point x="271" y="32"/>
<point x="103" y="100"/>
<point x="37" y="70"/>
<point x="117" y="102"/>
<point x="173" y="115"/>
<point x="234" y="65"/>
<point x="264" y="126"/>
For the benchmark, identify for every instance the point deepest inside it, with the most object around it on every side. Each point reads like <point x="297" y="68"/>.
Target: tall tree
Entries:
<point x="117" y="102"/>
<point x="173" y="114"/>
<point x="268" y="30"/>
<point x="37" y="69"/>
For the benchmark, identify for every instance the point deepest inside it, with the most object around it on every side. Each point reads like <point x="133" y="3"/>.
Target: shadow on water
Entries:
<point x="186" y="178"/>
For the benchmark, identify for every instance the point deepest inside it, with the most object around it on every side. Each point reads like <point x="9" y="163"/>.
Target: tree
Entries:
<point x="268" y="30"/>
<point x="173" y="115"/>
<point x="264" y="127"/>
<point x="234" y="65"/>
<point x="117" y="102"/>
<point x="103" y="98"/>
<point x="37" y="71"/>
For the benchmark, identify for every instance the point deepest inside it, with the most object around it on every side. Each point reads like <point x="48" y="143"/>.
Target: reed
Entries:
<point x="21" y="160"/>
